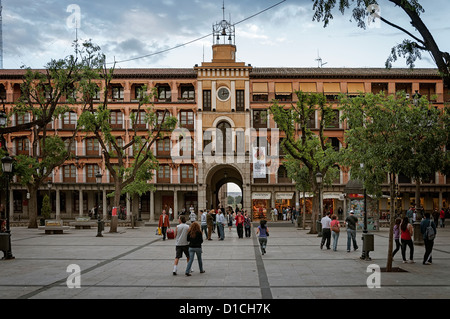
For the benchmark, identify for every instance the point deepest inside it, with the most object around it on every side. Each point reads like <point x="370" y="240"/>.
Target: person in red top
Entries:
<point x="406" y="236"/>
<point x="240" y="224"/>
<point x="442" y="218"/>
<point x="164" y="223"/>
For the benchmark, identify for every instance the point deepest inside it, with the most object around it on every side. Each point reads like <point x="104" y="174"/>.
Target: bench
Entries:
<point x="53" y="227"/>
<point x="83" y="223"/>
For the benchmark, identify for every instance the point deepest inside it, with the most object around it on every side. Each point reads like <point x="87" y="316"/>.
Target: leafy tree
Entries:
<point x="411" y="48"/>
<point x="387" y="134"/>
<point x="128" y="176"/>
<point x="46" y="96"/>
<point x="308" y="153"/>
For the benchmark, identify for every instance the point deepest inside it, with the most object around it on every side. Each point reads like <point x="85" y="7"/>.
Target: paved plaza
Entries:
<point x="135" y="263"/>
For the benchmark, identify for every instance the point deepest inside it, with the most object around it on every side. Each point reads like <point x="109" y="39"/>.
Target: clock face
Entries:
<point x="223" y="93"/>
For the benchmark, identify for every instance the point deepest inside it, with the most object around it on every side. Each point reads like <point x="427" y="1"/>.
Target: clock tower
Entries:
<point x="223" y="101"/>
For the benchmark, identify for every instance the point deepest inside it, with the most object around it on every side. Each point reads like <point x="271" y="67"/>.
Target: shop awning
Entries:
<point x="283" y="88"/>
<point x="308" y="87"/>
<point x="331" y="88"/>
<point x="260" y="88"/>
<point x="339" y="196"/>
<point x="261" y="195"/>
<point x="355" y="88"/>
<point x="284" y="195"/>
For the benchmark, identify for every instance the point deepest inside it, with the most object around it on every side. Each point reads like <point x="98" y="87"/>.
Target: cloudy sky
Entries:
<point x="35" y="31"/>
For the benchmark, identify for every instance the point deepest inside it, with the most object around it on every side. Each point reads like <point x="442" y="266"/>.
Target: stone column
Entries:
<point x="58" y="205"/>
<point x="152" y="206"/>
<point x="80" y="199"/>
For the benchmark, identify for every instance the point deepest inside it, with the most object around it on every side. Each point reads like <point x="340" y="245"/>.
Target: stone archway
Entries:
<point x="218" y="176"/>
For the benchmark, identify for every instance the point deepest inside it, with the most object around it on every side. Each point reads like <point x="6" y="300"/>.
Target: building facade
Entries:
<point x="229" y="137"/>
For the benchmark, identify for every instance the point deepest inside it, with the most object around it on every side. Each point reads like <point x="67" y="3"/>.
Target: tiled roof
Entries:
<point x="120" y="73"/>
<point x="263" y="72"/>
<point x="342" y="73"/>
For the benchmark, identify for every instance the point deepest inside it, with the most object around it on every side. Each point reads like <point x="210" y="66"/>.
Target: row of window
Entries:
<point x="285" y="92"/>
<point x="260" y="92"/>
<point x="164" y="174"/>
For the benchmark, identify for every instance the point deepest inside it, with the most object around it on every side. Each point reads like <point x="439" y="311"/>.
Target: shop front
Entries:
<point x="261" y="205"/>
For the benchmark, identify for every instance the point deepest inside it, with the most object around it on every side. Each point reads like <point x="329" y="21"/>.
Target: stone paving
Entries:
<point x="137" y="264"/>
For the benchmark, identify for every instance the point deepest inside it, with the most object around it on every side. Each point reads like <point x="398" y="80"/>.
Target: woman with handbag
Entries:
<point x="335" y="230"/>
<point x="262" y="232"/>
<point x="164" y="223"/>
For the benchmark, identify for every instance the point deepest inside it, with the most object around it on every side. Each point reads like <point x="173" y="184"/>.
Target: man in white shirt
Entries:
<point x="326" y="230"/>
<point x="181" y="242"/>
<point x="221" y="221"/>
<point x="204" y="224"/>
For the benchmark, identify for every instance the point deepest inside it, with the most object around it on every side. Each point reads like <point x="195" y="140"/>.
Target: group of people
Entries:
<point x="216" y="219"/>
<point x="189" y="238"/>
<point x="331" y="228"/>
<point x="404" y="233"/>
<point x="286" y="213"/>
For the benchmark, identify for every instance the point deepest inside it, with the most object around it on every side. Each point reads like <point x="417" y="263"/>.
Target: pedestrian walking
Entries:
<point x="195" y="239"/>
<point x="326" y="232"/>
<point x="164" y="223"/>
<point x="428" y="237"/>
<point x="181" y="242"/>
<point x="247" y="225"/>
<point x="335" y="231"/>
<point x="203" y="221"/>
<point x="398" y="221"/>
<point x="272" y="214"/>
<point x="262" y="232"/>
<point x="210" y="223"/>
<point x="240" y="225"/>
<point x="407" y="231"/>
<point x="351" y="221"/>
<point x="229" y="220"/>
<point x="442" y="218"/>
<point x="192" y="216"/>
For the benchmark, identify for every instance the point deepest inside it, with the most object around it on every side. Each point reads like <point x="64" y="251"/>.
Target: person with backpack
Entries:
<point x="428" y="230"/>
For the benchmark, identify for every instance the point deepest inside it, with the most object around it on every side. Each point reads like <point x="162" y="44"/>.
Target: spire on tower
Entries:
<point x="223" y="31"/>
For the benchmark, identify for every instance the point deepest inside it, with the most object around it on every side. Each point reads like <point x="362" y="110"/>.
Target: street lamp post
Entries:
<point x="100" y="223"/>
<point x="319" y="181"/>
<point x="49" y="187"/>
<point x="7" y="167"/>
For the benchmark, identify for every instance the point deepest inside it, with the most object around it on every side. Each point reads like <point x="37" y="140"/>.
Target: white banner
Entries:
<point x="259" y="162"/>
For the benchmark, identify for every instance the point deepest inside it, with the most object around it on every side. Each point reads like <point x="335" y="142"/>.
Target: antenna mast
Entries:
<point x="319" y="60"/>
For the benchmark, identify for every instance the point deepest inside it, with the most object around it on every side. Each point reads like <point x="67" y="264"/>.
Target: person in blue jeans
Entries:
<point x="351" y="222"/>
<point x="262" y="232"/>
<point x="195" y="239"/>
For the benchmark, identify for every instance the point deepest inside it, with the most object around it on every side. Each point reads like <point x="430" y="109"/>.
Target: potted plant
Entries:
<point x="46" y="210"/>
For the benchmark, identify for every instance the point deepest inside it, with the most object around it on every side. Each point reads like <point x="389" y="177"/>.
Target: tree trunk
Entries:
<point x="32" y="207"/>
<point x="315" y="213"/>
<point x="391" y="224"/>
<point x="417" y="199"/>
<point x="115" y="219"/>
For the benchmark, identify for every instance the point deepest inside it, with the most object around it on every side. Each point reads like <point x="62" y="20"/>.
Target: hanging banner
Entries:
<point x="259" y="162"/>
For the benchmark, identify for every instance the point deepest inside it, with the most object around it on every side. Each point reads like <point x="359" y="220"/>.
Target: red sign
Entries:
<point x="355" y="196"/>
<point x="114" y="211"/>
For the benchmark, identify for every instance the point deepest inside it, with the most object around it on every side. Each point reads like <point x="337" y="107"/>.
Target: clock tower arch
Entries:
<point x="223" y="91"/>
